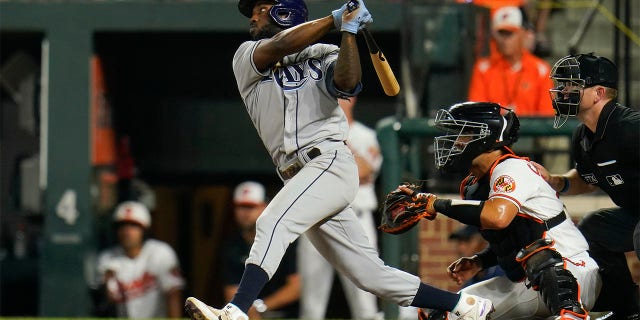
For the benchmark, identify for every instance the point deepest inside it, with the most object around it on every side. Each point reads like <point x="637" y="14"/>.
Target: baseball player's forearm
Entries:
<point x="229" y="291"/>
<point x="365" y="171"/>
<point x="290" y="41"/>
<point x="174" y="304"/>
<point x="495" y="213"/>
<point x="347" y="73"/>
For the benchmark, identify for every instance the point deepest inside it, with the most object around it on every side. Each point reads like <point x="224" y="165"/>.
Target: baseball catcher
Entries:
<point x="543" y="254"/>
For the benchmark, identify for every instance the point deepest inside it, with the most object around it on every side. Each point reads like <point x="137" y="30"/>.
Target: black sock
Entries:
<point x="252" y="282"/>
<point x="434" y="298"/>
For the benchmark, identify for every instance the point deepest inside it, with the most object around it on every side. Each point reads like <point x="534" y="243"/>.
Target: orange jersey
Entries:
<point x="495" y="4"/>
<point x="524" y="89"/>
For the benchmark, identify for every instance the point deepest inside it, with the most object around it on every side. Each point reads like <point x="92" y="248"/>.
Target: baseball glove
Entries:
<point x="404" y="207"/>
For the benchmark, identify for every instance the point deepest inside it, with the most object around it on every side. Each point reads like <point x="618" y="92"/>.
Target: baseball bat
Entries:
<point x="381" y="65"/>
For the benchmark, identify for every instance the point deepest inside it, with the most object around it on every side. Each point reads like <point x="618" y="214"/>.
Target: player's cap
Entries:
<point x="595" y="70"/>
<point x="133" y="212"/>
<point x="249" y="193"/>
<point x="507" y="18"/>
<point x="464" y="233"/>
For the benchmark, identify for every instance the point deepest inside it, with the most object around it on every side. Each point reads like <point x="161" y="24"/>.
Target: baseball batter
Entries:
<point x="290" y="85"/>
<point x="548" y="270"/>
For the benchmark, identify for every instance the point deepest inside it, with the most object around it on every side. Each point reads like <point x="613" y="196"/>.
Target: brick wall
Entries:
<point x="437" y="252"/>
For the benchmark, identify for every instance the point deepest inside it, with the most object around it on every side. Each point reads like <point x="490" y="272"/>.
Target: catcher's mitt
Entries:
<point x="404" y="207"/>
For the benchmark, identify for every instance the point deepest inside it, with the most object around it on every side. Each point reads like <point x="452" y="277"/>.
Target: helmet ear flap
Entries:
<point x="289" y="13"/>
<point x="510" y="134"/>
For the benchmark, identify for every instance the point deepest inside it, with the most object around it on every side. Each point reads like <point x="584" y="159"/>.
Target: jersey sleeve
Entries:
<point x="512" y="180"/>
<point x="102" y="266"/>
<point x="168" y="268"/>
<point x="318" y="51"/>
<point x="329" y="57"/>
<point x="244" y="69"/>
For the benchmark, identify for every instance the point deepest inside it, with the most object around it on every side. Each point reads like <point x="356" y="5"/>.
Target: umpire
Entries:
<point x="605" y="148"/>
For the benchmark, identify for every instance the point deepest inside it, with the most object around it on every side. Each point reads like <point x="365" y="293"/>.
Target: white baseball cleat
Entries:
<point x="199" y="310"/>
<point x="471" y="307"/>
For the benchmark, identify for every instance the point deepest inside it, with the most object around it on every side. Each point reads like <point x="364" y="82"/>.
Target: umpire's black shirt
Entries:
<point x="610" y="157"/>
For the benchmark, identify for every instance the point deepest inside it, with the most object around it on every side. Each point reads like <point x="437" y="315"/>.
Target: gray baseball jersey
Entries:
<point x="294" y="109"/>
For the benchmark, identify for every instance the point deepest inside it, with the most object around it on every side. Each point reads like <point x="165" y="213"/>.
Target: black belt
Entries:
<point x="558" y="219"/>
<point x="291" y="170"/>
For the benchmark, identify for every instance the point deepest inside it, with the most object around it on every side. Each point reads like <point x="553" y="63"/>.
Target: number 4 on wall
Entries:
<point x="66" y="208"/>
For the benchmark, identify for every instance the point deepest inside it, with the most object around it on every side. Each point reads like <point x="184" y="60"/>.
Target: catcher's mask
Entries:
<point x="285" y="13"/>
<point x="472" y="128"/>
<point x="571" y="75"/>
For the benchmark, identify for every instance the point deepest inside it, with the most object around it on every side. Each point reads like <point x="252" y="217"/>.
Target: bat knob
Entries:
<point x="352" y="5"/>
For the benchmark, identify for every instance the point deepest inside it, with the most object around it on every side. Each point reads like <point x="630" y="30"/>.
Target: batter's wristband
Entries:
<point x="467" y="212"/>
<point x="566" y="185"/>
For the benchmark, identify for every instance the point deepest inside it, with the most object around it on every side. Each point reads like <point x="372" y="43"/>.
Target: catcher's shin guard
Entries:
<point x="545" y="272"/>
<point x="432" y="314"/>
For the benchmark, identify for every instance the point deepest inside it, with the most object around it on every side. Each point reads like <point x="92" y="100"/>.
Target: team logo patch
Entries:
<point x="504" y="183"/>
<point x="590" y="178"/>
<point x="615" y="180"/>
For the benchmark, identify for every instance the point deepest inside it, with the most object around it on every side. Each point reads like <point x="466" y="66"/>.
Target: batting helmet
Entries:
<point x="472" y="128"/>
<point x="285" y="13"/>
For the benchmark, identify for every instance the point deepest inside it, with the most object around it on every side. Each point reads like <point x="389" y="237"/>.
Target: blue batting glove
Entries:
<point x="337" y="16"/>
<point x="355" y="17"/>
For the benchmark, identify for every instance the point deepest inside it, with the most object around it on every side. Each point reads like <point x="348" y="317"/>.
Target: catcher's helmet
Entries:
<point x="570" y="75"/>
<point x="472" y="128"/>
<point x="285" y="13"/>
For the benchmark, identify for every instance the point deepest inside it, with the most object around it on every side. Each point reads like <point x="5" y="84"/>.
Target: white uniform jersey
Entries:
<point x="518" y="181"/>
<point x="364" y="142"/>
<point x="295" y="109"/>
<point x="142" y="281"/>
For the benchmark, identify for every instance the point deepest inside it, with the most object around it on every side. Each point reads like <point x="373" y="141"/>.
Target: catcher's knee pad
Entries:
<point x="545" y="271"/>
